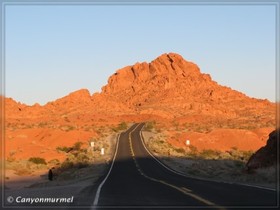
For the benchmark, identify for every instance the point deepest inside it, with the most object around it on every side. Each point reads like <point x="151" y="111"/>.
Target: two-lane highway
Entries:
<point x="136" y="178"/>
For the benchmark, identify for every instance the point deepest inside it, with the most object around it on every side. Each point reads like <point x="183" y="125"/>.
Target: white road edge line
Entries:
<point x="156" y="159"/>
<point x="95" y="202"/>
<point x="181" y="174"/>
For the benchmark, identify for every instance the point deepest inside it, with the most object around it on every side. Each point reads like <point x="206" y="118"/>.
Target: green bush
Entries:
<point x="37" y="160"/>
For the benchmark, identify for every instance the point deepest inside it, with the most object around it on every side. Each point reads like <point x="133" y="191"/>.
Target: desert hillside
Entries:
<point x="168" y="87"/>
<point x="170" y="91"/>
<point x="172" y="87"/>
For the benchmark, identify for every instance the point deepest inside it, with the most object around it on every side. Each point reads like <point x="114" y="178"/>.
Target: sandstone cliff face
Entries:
<point x="266" y="156"/>
<point x="171" y="86"/>
<point x="168" y="87"/>
<point x="163" y="73"/>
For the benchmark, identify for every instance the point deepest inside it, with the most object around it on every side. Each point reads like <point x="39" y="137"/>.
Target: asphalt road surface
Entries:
<point x="137" y="179"/>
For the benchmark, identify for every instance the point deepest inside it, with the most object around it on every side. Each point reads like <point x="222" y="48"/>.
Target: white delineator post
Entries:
<point x="188" y="142"/>
<point x="102" y="151"/>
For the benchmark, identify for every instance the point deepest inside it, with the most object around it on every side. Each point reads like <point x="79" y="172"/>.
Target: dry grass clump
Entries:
<point x="24" y="167"/>
<point x="37" y="160"/>
<point x="121" y="127"/>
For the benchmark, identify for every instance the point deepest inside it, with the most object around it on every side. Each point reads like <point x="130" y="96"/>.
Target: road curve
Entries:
<point x="137" y="179"/>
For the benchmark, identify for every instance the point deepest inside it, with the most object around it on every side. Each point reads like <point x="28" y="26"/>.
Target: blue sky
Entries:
<point x="52" y="50"/>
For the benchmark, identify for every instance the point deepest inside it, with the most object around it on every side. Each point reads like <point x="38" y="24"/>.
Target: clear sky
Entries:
<point x="52" y="50"/>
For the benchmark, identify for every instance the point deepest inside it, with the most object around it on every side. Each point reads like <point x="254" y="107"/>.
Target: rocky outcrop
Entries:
<point x="168" y="87"/>
<point x="266" y="156"/>
<point x="170" y="84"/>
<point x="78" y="98"/>
<point x="163" y="73"/>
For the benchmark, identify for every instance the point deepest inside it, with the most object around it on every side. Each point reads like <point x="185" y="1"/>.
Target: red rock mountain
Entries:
<point x="170" y="90"/>
<point x="168" y="87"/>
<point x="171" y="87"/>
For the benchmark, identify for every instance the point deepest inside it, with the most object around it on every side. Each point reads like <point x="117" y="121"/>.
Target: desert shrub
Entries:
<point x="234" y="153"/>
<point x="54" y="162"/>
<point x="149" y="126"/>
<point x="77" y="146"/>
<point x="82" y="157"/>
<point x="70" y="128"/>
<point x="225" y="156"/>
<point x="239" y="154"/>
<point x="64" y="149"/>
<point x="122" y="126"/>
<point x="209" y="154"/>
<point x="37" y="160"/>
<point x="67" y="128"/>
<point x="179" y="150"/>
<point x="161" y="141"/>
<point x="192" y="151"/>
<point x="42" y="124"/>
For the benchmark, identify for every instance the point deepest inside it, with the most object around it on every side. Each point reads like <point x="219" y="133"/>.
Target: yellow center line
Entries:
<point x="180" y="189"/>
<point x="130" y="145"/>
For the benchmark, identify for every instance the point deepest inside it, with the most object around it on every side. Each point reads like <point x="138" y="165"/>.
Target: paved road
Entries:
<point x="137" y="179"/>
